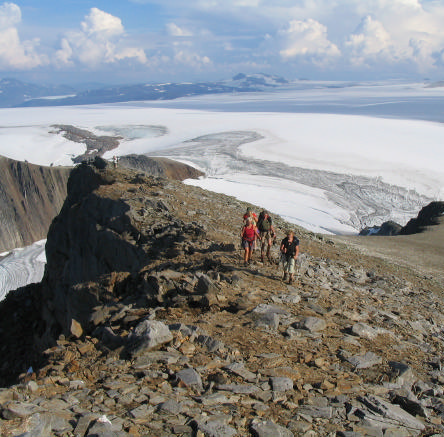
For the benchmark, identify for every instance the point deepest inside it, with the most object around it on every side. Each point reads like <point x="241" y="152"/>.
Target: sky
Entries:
<point x="137" y="41"/>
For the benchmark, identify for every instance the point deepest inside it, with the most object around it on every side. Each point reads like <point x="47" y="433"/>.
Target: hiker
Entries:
<point x="115" y="161"/>
<point x="266" y="233"/>
<point x="251" y="214"/>
<point x="289" y="253"/>
<point x="249" y="235"/>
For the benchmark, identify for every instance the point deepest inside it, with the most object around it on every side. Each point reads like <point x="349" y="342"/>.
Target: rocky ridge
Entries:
<point x="147" y="323"/>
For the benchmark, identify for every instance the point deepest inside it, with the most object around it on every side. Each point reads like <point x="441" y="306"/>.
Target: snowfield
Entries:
<point x="21" y="267"/>
<point x="330" y="157"/>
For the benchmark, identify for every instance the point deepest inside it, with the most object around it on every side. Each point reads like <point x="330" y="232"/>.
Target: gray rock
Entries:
<point x="210" y="343"/>
<point x="239" y="369"/>
<point x="364" y="331"/>
<point x="19" y="410"/>
<point x="217" y="398"/>
<point x="239" y="388"/>
<point x="280" y="383"/>
<point x="380" y="413"/>
<point x="148" y="359"/>
<point x="39" y="425"/>
<point x="369" y="359"/>
<point x="205" y="285"/>
<point x="267" y="320"/>
<point x="103" y="428"/>
<point x="313" y="324"/>
<point x="170" y="407"/>
<point x="316" y="411"/>
<point x="216" y="426"/>
<point x="190" y="378"/>
<point x="142" y="412"/>
<point x="148" y="335"/>
<point x="403" y="374"/>
<point x="267" y="428"/>
<point x="287" y="298"/>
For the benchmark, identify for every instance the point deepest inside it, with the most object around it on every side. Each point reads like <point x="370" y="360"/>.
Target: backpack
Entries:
<point x="264" y="224"/>
<point x="249" y="234"/>
<point x="291" y="247"/>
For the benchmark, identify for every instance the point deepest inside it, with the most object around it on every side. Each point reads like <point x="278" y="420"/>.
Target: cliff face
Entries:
<point x="112" y="221"/>
<point x="30" y="197"/>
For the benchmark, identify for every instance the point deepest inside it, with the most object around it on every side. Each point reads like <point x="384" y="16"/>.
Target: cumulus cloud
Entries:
<point x="307" y="39"/>
<point x="370" y="42"/>
<point x="101" y="40"/>
<point x="14" y="53"/>
<point x="174" y="30"/>
<point x="363" y="33"/>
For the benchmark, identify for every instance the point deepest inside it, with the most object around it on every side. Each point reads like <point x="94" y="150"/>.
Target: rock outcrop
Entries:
<point x="30" y="197"/>
<point x="430" y="215"/>
<point x="153" y="326"/>
<point x="160" y="167"/>
<point x="387" y="229"/>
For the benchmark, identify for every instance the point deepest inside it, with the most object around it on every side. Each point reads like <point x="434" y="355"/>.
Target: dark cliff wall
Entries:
<point x="30" y="197"/>
<point x="113" y="220"/>
<point x="430" y="215"/>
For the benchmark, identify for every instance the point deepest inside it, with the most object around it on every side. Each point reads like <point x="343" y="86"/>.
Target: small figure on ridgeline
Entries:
<point x="289" y="253"/>
<point x="266" y="234"/>
<point x="115" y="161"/>
<point x="249" y="235"/>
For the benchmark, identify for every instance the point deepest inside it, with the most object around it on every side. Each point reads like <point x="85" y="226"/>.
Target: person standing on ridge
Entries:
<point x="267" y="233"/>
<point x="289" y="253"/>
<point x="249" y="235"/>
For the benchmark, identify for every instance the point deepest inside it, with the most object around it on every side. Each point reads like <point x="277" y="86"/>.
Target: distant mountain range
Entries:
<point x="14" y="93"/>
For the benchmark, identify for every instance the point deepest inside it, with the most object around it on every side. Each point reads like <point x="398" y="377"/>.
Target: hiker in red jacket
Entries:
<point x="249" y="235"/>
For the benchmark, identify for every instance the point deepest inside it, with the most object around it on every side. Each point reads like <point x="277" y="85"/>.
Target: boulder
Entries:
<point x="148" y="335"/>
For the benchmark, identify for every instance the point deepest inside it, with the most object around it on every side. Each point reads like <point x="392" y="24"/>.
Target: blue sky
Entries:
<point x="131" y="41"/>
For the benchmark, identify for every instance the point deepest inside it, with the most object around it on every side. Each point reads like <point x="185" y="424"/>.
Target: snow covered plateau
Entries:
<point x="332" y="158"/>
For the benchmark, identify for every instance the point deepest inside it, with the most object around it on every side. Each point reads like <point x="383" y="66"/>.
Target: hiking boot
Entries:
<point x="262" y="258"/>
<point x="290" y="281"/>
<point x="284" y="277"/>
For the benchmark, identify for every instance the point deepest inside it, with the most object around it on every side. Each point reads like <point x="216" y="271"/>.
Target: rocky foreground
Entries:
<point x="147" y="323"/>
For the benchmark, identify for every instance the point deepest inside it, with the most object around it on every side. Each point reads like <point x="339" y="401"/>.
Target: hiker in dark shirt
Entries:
<point x="289" y="253"/>
<point x="266" y="234"/>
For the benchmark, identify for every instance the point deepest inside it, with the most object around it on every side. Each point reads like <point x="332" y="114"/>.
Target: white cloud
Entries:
<point x="370" y="42"/>
<point x="14" y="53"/>
<point x="10" y="15"/>
<point x="174" y="30"/>
<point x="101" y="24"/>
<point x="100" y="41"/>
<point x="307" y="39"/>
<point x="191" y="59"/>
